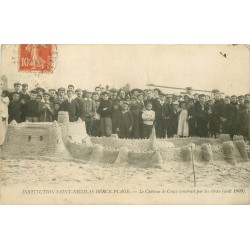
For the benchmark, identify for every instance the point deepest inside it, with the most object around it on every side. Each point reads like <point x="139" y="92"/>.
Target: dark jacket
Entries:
<point x="15" y="111"/>
<point x="105" y="109"/>
<point x="72" y="108"/>
<point x="31" y="108"/>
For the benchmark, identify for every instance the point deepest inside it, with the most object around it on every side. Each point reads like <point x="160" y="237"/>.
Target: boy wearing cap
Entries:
<point x="60" y="96"/>
<point x="45" y="109"/>
<point x="105" y="110"/>
<point x="31" y="108"/>
<point x="87" y="111"/>
<point x="125" y="122"/>
<point x="15" y="108"/>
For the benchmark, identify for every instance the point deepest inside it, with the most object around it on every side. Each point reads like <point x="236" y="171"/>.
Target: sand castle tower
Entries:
<point x="33" y="139"/>
<point x="75" y="131"/>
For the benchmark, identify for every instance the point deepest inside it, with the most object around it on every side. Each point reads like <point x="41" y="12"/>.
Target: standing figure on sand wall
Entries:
<point x="46" y="109"/>
<point x="4" y="102"/>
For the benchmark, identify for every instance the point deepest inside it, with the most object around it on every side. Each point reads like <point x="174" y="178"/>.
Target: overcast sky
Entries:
<point x="85" y="66"/>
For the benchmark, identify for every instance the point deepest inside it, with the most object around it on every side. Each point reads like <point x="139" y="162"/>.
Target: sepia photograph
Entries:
<point x="125" y="124"/>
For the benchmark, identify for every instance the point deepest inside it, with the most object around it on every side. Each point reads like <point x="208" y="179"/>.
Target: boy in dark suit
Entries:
<point x="31" y="108"/>
<point x="15" y="108"/>
<point x="71" y="106"/>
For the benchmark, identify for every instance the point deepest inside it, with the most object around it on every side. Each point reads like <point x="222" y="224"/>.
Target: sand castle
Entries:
<point x="68" y="140"/>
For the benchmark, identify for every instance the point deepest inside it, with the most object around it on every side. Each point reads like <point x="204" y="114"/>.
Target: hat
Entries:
<point x="162" y="94"/>
<point x="113" y="90"/>
<point x="52" y="90"/>
<point x="70" y="85"/>
<point x="17" y="83"/>
<point x="61" y="89"/>
<point x="78" y="90"/>
<point x="233" y="96"/>
<point x="33" y="91"/>
<point x="39" y="96"/>
<point x="126" y="103"/>
<point x="176" y="103"/>
<point x="105" y="92"/>
<point x="40" y="89"/>
<point x="46" y="93"/>
<point x="25" y="85"/>
<point x="201" y="95"/>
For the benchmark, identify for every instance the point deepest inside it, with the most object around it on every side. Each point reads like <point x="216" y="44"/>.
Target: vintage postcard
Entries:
<point x="125" y="124"/>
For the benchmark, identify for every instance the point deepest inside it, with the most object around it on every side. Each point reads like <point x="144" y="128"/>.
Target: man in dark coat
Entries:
<point x="105" y="110"/>
<point x="192" y="123"/>
<point x="229" y="116"/>
<point x="71" y="106"/>
<point x="173" y="120"/>
<point x="201" y="116"/>
<point x="14" y="108"/>
<point x="215" y="115"/>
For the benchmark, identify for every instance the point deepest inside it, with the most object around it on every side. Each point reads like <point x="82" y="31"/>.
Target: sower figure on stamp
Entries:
<point x="104" y="110"/>
<point x="45" y="109"/>
<point x="88" y="110"/>
<point x="71" y="106"/>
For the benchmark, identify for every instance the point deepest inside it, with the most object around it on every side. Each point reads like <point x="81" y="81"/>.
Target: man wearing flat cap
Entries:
<point x="71" y="106"/>
<point x="60" y="96"/>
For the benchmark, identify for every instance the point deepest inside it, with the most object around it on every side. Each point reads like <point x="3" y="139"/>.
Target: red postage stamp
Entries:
<point x="36" y="57"/>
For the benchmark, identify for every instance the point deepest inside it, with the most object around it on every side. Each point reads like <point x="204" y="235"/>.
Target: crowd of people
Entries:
<point x="131" y="113"/>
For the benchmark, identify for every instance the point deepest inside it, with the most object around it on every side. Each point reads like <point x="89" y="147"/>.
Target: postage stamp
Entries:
<point x="36" y="57"/>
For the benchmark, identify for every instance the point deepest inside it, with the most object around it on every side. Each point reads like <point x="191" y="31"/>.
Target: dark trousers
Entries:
<point x="89" y="125"/>
<point x="106" y="126"/>
<point x="96" y="128"/>
<point x="147" y="130"/>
